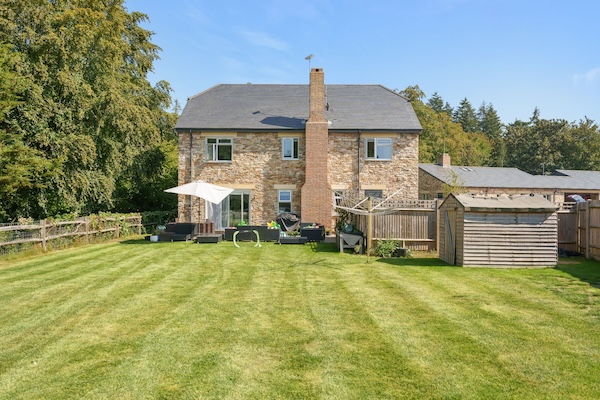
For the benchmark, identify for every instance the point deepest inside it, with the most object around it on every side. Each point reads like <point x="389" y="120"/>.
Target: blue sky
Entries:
<point x="514" y="54"/>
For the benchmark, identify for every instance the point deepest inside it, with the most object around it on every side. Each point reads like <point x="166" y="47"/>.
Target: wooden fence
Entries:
<point x="44" y="231"/>
<point x="579" y="229"/>
<point x="414" y="225"/>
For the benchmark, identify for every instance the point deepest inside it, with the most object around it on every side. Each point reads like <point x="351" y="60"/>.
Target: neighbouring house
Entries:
<point x="509" y="231"/>
<point x="295" y="148"/>
<point x="437" y="180"/>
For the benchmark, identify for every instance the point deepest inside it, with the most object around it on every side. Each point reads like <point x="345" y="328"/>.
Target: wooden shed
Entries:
<point x="506" y="231"/>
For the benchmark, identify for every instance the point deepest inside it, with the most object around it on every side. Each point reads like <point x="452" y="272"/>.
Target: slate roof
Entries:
<point x="497" y="177"/>
<point x="286" y="107"/>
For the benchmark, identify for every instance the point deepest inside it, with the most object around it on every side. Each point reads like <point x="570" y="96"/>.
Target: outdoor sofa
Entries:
<point x="179" y="232"/>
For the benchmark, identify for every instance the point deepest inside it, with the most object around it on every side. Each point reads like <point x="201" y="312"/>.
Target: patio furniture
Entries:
<point x="313" y="234"/>
<point x="245" y="233"/>
<point x="209" y="238"/>
<point x="288" y="221"/>
<point x="178" y="232"/>
<point x="248" y="230"/>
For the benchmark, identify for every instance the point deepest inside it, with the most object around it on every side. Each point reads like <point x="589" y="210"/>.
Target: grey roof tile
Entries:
<point x="285" y="107"/>
<point x="497" y="177"/>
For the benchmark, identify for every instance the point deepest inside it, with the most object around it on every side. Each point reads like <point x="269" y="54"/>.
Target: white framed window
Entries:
<point x="289" y="148"/>
<point x="378" y="148"/>
<point x="284" y="201"/>
<point x="338" y="197"/>
<point x="219" y="149"/>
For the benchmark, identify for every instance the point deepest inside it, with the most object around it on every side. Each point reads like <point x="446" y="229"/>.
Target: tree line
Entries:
<point x="81" y="128"/>
<point x="477" y="137"/>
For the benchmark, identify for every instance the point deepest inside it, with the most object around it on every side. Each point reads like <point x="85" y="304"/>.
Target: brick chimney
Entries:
<point x="444" y="160"/>
<point x="317" y="203"/>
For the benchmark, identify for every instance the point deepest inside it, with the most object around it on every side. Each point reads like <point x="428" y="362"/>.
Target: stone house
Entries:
<point x="436" y="179"/>
<point x="293" y="148"/>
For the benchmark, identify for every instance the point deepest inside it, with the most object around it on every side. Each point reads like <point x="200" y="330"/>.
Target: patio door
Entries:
<point x="236" y="208"/>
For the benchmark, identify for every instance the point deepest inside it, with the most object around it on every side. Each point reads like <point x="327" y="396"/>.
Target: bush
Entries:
<point x="385" y="248"/>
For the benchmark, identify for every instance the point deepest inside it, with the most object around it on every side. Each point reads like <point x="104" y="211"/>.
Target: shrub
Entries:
<point x="385" y="248"/>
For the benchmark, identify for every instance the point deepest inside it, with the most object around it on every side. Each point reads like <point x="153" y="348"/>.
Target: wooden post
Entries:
<point x="369" y="227"/>
<point x="437" y="225"/>
<point x="117" y="226"/>
<point x="587" y="229"/>
<point x="43" y="234"/>
<point x="86" y="222"/>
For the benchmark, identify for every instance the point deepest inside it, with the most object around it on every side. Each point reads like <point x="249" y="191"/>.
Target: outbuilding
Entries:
<point x="502" y="231"/>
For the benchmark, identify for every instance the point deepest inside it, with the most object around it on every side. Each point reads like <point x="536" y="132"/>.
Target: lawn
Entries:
<point x="140" y="320"/>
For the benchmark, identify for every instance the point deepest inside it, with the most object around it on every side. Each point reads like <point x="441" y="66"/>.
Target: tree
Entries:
<point x="466" y="117"/>
<point x="440" y="134"/>
<point x="491" y="126"/>
<point x="438" y="105"/>
<point x="536" y="147"/>
<point x="89" y="110"/>
<point x="22" y="169"/>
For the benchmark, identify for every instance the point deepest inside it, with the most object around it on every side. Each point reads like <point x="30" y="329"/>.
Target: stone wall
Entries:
<point x="257" y="166"/>
<point x="400" y="173"/>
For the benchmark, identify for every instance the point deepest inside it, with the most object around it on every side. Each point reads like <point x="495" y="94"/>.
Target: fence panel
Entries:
<point x="567" y="230"/>
<point x="414" y="228"/>
<point x="16" y="235"/>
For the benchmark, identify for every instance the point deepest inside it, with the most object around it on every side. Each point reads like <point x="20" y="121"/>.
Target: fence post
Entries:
<point x="117" y="226"/>
<point x="437" y="225"/>
<point x="86" y="222"/>
<point x="369" y="227"/>
<point x="587" y="229"/>
<point x="43" y="234"/>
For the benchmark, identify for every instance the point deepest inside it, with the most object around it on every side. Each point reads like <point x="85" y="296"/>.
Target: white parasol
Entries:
<point x="207" y="191"/>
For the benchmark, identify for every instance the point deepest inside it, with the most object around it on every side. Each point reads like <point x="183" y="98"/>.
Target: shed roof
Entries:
<point x="286" y="107"/>
<point x="520" y="203"/>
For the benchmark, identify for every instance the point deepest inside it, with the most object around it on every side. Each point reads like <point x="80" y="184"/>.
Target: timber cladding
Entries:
<point x="522" y="235"/>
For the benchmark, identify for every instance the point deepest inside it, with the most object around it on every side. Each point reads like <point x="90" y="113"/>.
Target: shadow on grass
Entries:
<point x="582" y="269"/>
<point x="414" y="262"/>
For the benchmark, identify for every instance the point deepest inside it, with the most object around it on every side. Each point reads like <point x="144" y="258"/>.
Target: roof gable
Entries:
<point x="285" y="107"/>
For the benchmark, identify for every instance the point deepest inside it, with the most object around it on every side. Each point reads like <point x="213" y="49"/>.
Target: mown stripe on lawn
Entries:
<point x="503" y="330"/>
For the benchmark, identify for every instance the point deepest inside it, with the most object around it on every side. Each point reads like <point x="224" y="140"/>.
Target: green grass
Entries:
<point x="140" y="320"/>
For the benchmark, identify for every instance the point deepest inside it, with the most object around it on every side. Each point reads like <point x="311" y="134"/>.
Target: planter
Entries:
<point x="313" y="234"/>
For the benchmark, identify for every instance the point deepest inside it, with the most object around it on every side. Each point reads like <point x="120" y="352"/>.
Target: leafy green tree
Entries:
<point x="22" y="169"/>
<point x="441" y="134"/>
<point x="536" y="147"/>
<point x="89" y="110"/>
<point x="581" y="149"/>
